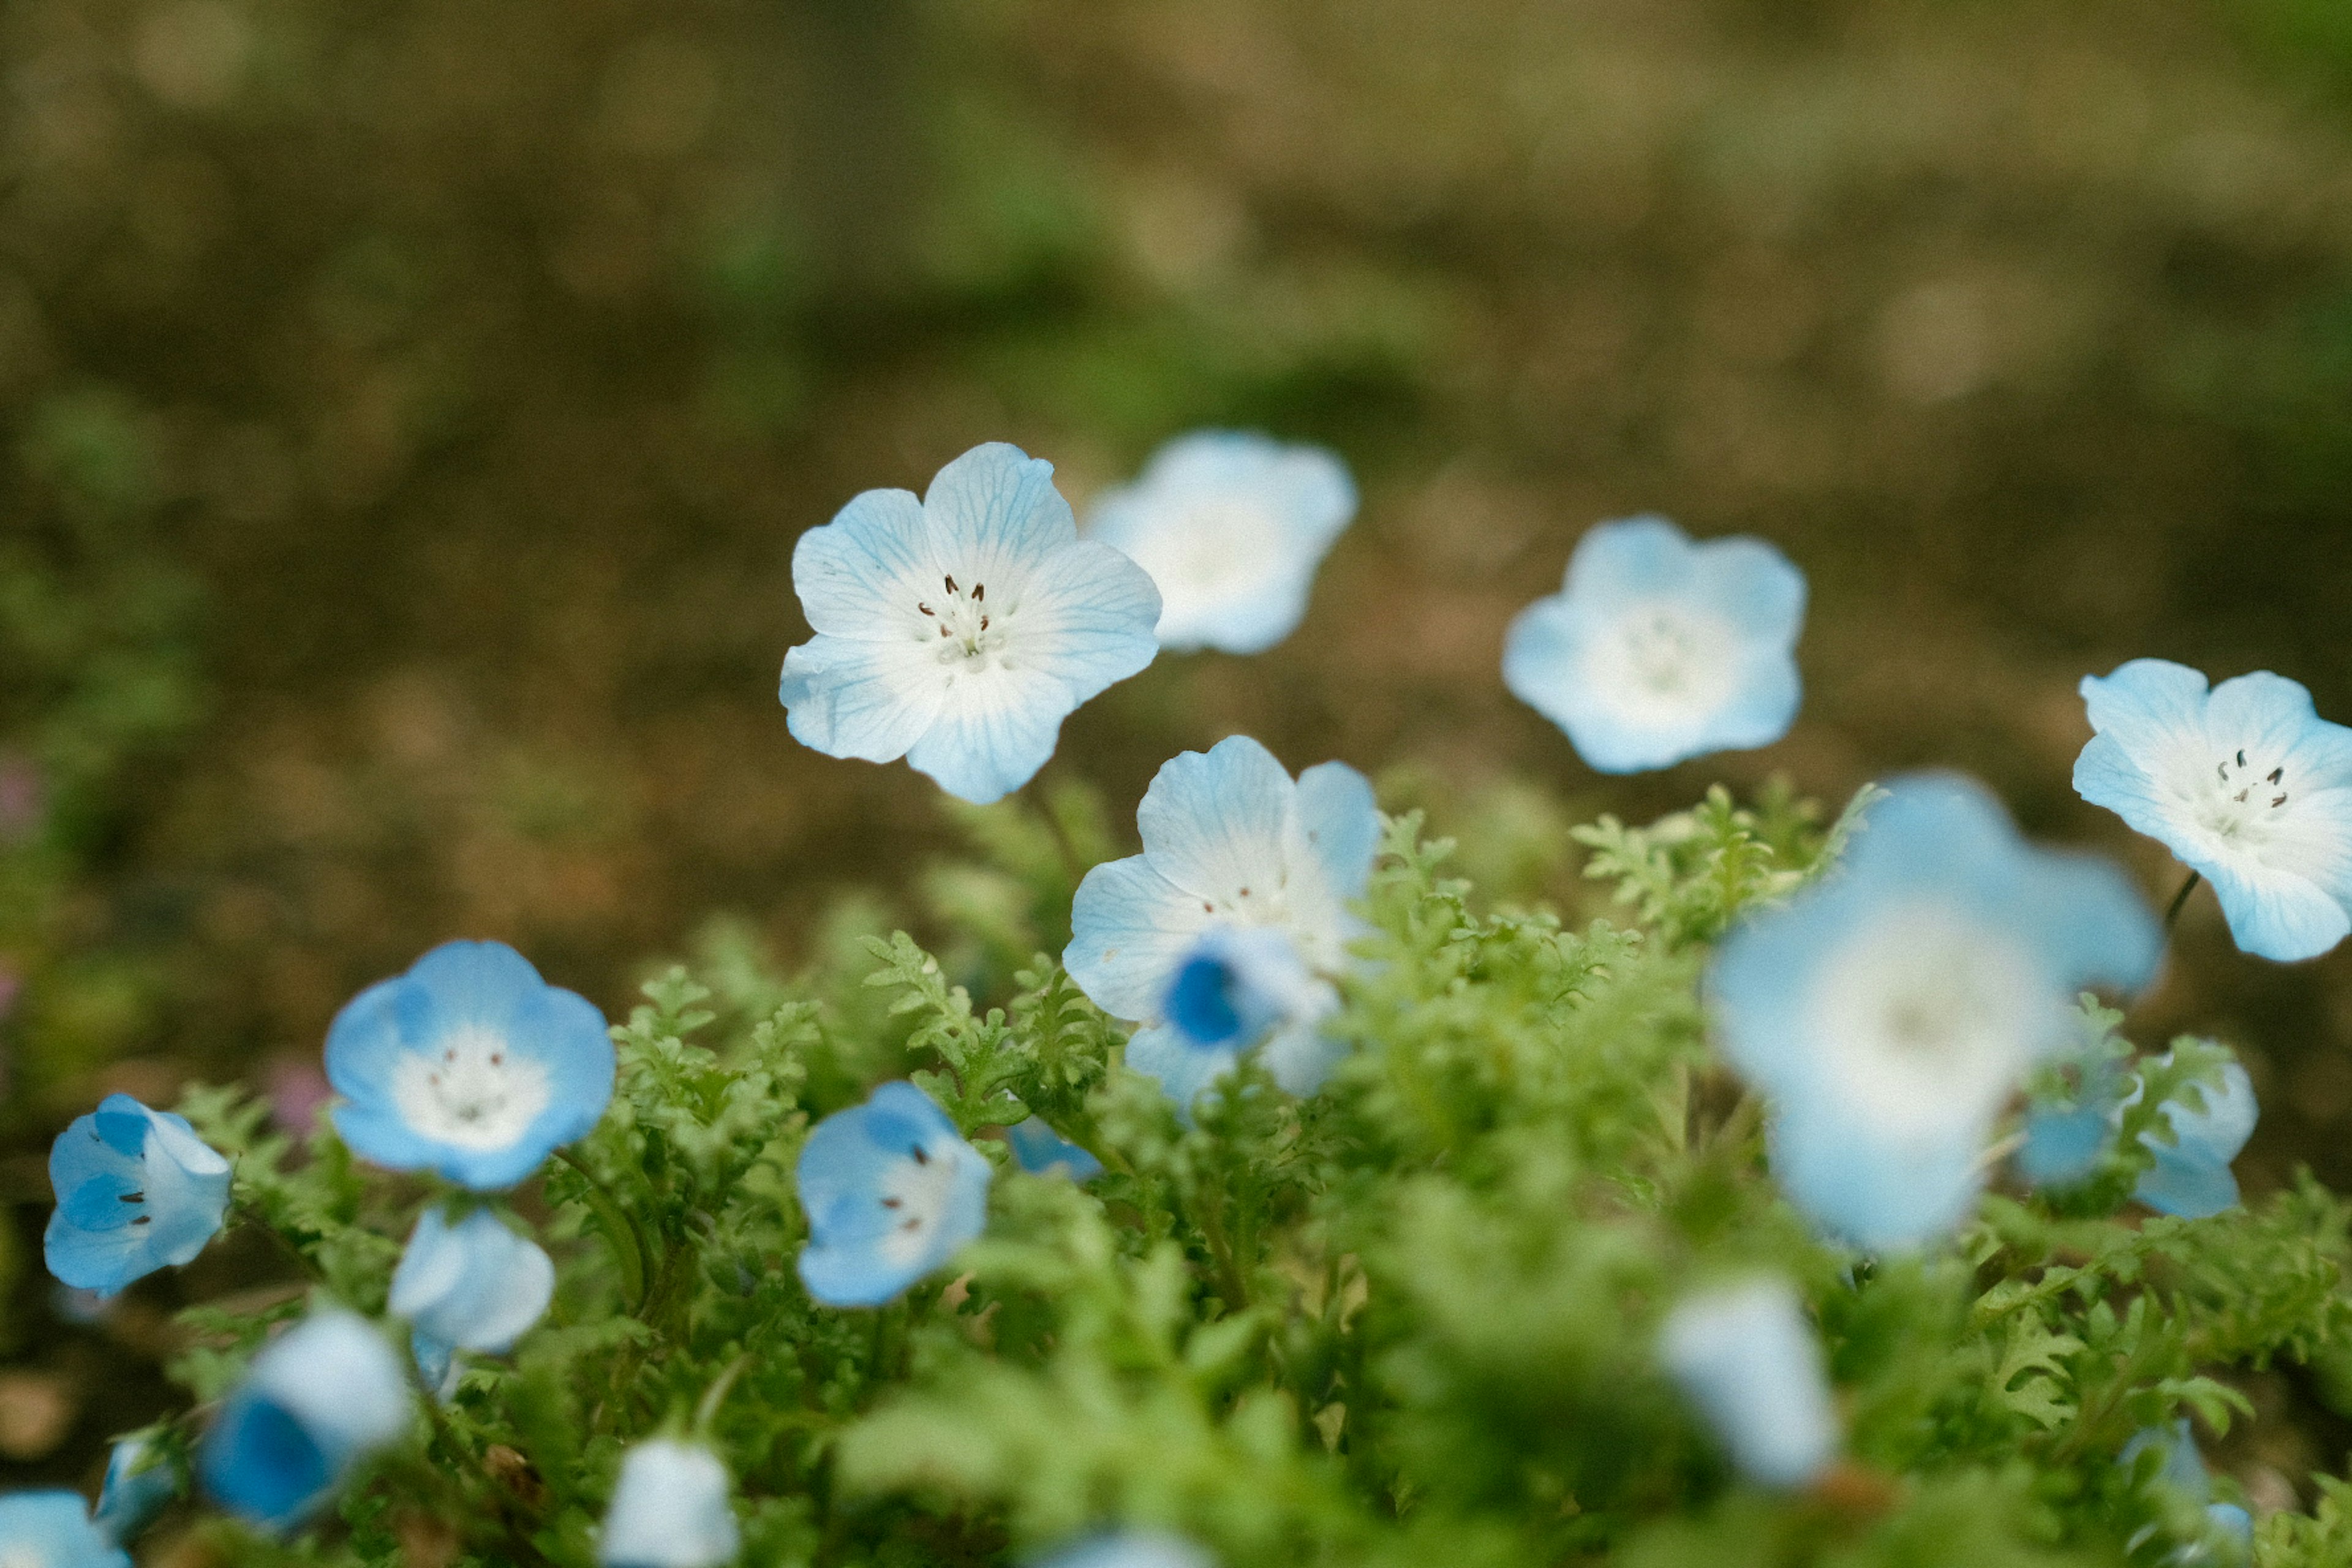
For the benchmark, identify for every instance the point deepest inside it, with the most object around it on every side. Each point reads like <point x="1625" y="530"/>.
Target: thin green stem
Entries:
<point x="2180" y="900"/>
<point x="707" y="1411"/>
<point x="252" y="1216"/>
<point x="621" y="1227"/>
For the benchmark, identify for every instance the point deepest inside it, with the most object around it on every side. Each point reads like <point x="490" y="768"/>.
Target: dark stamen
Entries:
<point x="983" y="623"/>
<point x="950" y="582"/>
<point x="926" y="609"/>
<point x="2221" y="771"/>
<point x="133" y="1197"/>
<point x="894" y="1203"/>
<point x="2279" y="802"/>
<point x="2276" y="774"/>
<point x="145" y="1219"/>
<point x="2241" y="796"/>
<point x="2241" y="759"/>
<point x="978" y="591"/>
<point x="910" y="1225"/>
<point x="944" y="632"/>
<point x="921" y="1157"/>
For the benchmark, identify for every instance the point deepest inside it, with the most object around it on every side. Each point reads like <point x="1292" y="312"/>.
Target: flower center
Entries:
<point x="22" y="1557"/>
<point x="1661" y="657"/>
<point x="968" y="629"/>
<point x="470" y="1090"/>
<point x="2243" y="800"/>
<point x="915" y="1191"/>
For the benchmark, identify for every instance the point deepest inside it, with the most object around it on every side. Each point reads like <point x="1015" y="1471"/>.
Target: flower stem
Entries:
<point x="2179" y="899"/>
<point x="629" y="1248"/>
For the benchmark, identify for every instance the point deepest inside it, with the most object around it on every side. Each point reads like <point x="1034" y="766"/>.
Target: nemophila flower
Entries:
<point x="1240" y="988"/>
<point x="2191" y="1177"/>
<point x="316" y="1401"/>
<point x="1231" y="526"/>
<point x="136" y="1190"/>
<point x="1230" y="843"/>
<point x="891" y="1192"/>
<point x="1657" y="649"/>
<point x="1746" y="1356"/>
<point x="53" y="1530"/>
<point x="1132" y="1549"/>
<point x="2184" y="1470"/>
<point x="139" y="1481"/>
<point x="2065" y="1137"/>
<point x="1888" y="1011"/>
<point x="469" y="1065"/>
<point x="1039" y="1150"/>
<point x="2249" y="786"/>
<point x="472" y="1286"/>
<point x="958" y="631"/>
<point x="669" y="1510"/>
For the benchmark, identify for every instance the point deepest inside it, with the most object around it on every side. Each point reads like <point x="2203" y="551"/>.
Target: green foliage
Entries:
<point x="1410" y="1318"/>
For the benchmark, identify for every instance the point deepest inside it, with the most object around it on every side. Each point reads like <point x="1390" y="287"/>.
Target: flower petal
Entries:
<point x="1130" y="929"/>
<point x="993" y="515"/>
<point x="870" y="700"/>
<point x="994" y="728"/>
<point x="863" y="575"/>
<point x="1214" y="823"/>
<point x="1085" y="617"/>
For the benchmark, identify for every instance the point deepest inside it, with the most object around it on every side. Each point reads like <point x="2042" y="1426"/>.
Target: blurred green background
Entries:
<point x="410" y="406"/>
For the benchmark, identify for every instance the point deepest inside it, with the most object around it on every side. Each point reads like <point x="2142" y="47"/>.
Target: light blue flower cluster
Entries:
<point x="473" y="1286"/>
<point x="137" y="1190"/>
<point x="669" y="1510"/>
<point x="2188" y="1177"/>
<point x="313" y="1405"/>
<point x="1746" y="1354"/>
<point x="892" y="1192"/>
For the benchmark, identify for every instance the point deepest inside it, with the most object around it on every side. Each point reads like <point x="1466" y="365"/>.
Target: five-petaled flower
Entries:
<point x="1888" y="1012"/>
<point x="1657" y="649"/>
<point x="959" y="630"/>
<point x="2245" y="783"/>
<point x="1230" y="842"/>
<point x="2190" y="1176"/>
<point x="53" y="1530"/>
<point x="469" y="1065"/>
<point x="472" y="1286"/>
<point x="136" y="1190"/>
<point x="891" y="1192"/>
<point x="669" y="1510"/>
<point x="1231" y="526"/>
<point x="315" y="1402"/>
<point x="1746" y="1354"/>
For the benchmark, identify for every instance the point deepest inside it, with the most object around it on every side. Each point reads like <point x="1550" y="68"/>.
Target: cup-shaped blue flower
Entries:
<point x="958" y="631"/>
<point x="136" y="1190"/>
<point x="2063" y="1144"/>
<point x="1231" y="526"/>
<point x="2245" y="784"/>
<point x="1230" y="842"/>
<point x="1240" y="988"/>
<point x="891" y="1192"/>
<point x="316" y="1401"/>
<point x="1039" y="1150"/>
<point x="139" y="1479"/>
<point x="1657" y="649"/>
<point x="669" y="1510"/>
<point x="472" y="1286"/>
<point x="1888" y="1011"/>
<point x="53" y="1530"/>
<point x="2191" y="1177"/>
<point x="1746" y="1355"/>
<point x="1132" y="1549"/>
<point x="468" y="1065"/>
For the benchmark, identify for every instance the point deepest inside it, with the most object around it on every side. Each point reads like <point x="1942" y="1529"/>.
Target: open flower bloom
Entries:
<point x="469" y="1065"/>
<point x="1888" y="1011"/>
<point x="1231" y="526"/>
<point x="2249" y="786"/>
<point x="958" y="631"/>
<point x="53" y="1530"/>
<point x="1746" y="1355"/>
<point x="669" y="1510"/>
<point x="1229" y="843"/>
<point x="472" y="1286"/>
<point x="1132" y="1549"/>
<point x="1657" y="649"/>
<point x="2191" y="1177"/>
<point x="316" y="1401"/>
<point x="1240" y="988"/>
<point x="891" y="1192"/>
<point x="1040" y="1150"/>
<point x="136" y="1190"/>
<point x="139" y="1482"/>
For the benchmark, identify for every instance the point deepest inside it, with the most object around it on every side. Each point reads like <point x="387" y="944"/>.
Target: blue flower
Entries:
<point x="2250" y="787"/>
<point x="1240" y="988"/>
<point x="468" y="1065"/>
<point x="1888" y="1012"/>
<point x="136" y="1190"/>
<point x="315" y="1402"/>
<point x="2184" y="1470"/>
<point x="2063" y="1146"/>
<point x="139" y="1481"/>
<point x="1746" y="1355"/>
<point x="891" y="1193"/>
<point x="473" y="1286"/>
<point x="669" y="1510"/>
<point x="52" y="1529"/>
<point x="1132" y="1549"/>
<point x="958" y="631"/>
<point x="1231" y="526"/>
<point x="2191" y="1177"/>
<point x="1658" y="649"/>
<point x="1229" y="843"/>
<point x="1040" y="1150"/>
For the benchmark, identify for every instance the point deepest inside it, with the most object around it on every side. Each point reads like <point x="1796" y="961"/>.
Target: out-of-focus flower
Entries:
<point x="2246" y="783"/>
<point x="2184" y="1470"/>
<point x="53" y="1530"/>
<point x="298" y="1090"/>
<point x="472" y="1286"/>
<point x="669" y="1510"/>
<point x="1132" y="1549"/>
<point x="1240" y="988"/>
<point x="892" y="1192"/>
<point x="1746" y="1356"/>
<point x="1888" y="1012"/>
<point x="315" y="1402"/>
<point x="136" y="1190"/>
<point x="1657" y="649"/>
<point x="2191" y="1177"/>
<point x="469" y="1065"/>
<point x="958" y="631"/>
<point x="1231" y="526"/>
<point x="1039" y="1150"/>
<point x="139" y="1481"/>
<point x="1230" y="842"/>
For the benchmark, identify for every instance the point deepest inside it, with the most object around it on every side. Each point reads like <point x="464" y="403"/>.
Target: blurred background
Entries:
<point x="408" y="407"/>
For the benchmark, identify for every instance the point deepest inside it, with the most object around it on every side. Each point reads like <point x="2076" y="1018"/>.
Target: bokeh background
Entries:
<point x="408" y="407"/>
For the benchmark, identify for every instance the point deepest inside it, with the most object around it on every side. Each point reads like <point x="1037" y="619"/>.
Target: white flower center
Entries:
<point x="1662" y="657"/>
<point x="1210" y="546"/>
<point x="970" y="631"/>
<point x="469" y="1091"/>
<point x="20" y="1556"/>
<point x="1928" y="1018"/>
<point x="2242" y="801"/>
<point x="915" y="1191"/>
